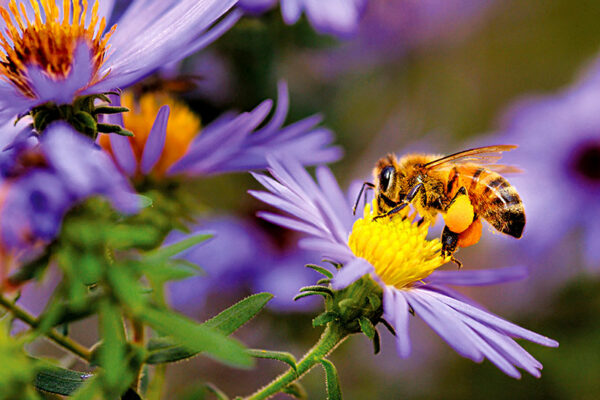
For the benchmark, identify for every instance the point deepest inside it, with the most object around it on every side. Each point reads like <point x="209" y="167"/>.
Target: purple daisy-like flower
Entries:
<point x="335" y="17"/>
<point x="175" y="144"/>
<point x="559" y="150"/>
<point x="395" y="253"/>
<point x="47" y="177"/>
<point x="53" y="53"/>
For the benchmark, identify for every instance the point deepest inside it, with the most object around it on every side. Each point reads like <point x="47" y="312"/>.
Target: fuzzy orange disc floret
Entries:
<point x="49" y="44"/>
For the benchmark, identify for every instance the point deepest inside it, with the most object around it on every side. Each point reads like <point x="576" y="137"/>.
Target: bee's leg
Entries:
<point x="449" y="241"/>
<point x="368" y="185"/>
<point x="406" y="201"/>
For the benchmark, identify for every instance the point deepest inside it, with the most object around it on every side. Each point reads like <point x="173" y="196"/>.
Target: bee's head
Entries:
<point x="387" y="176"/>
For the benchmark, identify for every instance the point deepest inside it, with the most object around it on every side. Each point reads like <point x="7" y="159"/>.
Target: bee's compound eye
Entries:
<point x="385" y="177"/>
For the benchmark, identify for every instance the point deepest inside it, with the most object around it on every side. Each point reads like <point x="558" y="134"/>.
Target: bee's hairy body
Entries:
<point x="490" y="195"/>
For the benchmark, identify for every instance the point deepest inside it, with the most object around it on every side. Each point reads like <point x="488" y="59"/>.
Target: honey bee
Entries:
<point x="457" y="186"/>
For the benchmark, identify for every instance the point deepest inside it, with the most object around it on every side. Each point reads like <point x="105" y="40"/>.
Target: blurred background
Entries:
<point x="416" y="75"/>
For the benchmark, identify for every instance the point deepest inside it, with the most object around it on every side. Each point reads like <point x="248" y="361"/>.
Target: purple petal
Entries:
<point x="121" y="148"/>
<point x="351" y="272"/>
<point x="395" y="310"/>
<point x="495" y="322"/>
<point x="443" y="321"/>
<point x="63" y="91"/>
<point x="289" y="223"/>
<point x="478" y="277"/>
<point x="156" y="140"/>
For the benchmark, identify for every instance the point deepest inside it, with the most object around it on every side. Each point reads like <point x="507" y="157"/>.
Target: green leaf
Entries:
<point x="226" y="322"/>
<point x="320" y="270"/>
<point x="366" y="326"/>
<point x="112" y="354"/>
<point x="324" y="318"/>
<point x="164" y="253"/>
<point x="282" y="356"/>
<point x="231" y="319"/>
<point x="171" y="270"/>
<point x="376" y="342"/>
<point x="59" y="380"/>
<point x="334" y="392"/>
<point x="144" y="201"/>
<point x="295" y="389"/>
<point x="195" y="338"/>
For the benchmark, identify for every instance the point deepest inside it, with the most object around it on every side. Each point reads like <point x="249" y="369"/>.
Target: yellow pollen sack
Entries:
<point x="49" y="44"/>
<point x="396" y="247"/>
<point x="460" y="214"/>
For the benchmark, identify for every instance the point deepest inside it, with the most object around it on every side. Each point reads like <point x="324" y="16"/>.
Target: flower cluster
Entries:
<point x="397" y="255"/>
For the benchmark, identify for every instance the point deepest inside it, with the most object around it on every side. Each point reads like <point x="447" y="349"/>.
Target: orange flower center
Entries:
<point x="49" y="44"/>
<point x="182" y="127"/>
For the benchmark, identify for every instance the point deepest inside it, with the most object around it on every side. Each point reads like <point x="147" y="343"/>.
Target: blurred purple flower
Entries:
<point x="240" y="256"/>
<point x="559" y="151"/>
<point x="322" y="211"/>
<point x="335" y="17"/>
<point x="233" y="142"/>
<point x="389" y="28"/>
<point x="146" y="34"/>
<point x="47" y="177"/>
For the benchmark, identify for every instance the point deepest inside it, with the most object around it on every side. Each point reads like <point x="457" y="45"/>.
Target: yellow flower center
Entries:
<point x="49" y="44"/>
<point x="396" y="247"/>
<point x="182" y="127"/>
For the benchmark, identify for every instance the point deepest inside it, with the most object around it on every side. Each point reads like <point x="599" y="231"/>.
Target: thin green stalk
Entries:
<point x="63" y="341"/>
<point x="139" y="338"/>
<point x="332" y="336"/>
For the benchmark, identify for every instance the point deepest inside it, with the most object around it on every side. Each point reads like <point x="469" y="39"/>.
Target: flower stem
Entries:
<point x="332" y="336"/>
<point x="63" y="341"/>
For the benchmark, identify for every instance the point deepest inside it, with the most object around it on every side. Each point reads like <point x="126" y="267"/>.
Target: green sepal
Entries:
<point x="306" y="294"/>
<point x="366" y="326"/>
<point x="109" y="110"/>
<point x="163" y="350"/>
<point x="323" y="281"/>
<point x="376" y="342"/>
<point x="324" y="318"/>
<point x="334" y="392"/>
<point x="374" y="300"/>
<point x="111" y="128"/>
<point x="321" y="270"/>
<point x="282" y="356"/>
<point x="84" y="123"/>
<point x="388" y="326"/>
<point x="295" y="389"/>
<point x="57" y="380"/>
<point x="317" y="288"/>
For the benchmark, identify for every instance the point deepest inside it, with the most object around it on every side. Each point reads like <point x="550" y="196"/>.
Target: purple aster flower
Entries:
<point x="175" y="144"/>
<point x="396" y="254"/>
<point x="240" y="256"/>
<point x="51" y="57"/>
<point x="335" y="17"/>
<point x="559" y="151"/>
<point x="47" y="178"/>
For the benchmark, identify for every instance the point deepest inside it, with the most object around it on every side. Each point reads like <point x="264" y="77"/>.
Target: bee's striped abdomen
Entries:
<point x="496" y="201"/>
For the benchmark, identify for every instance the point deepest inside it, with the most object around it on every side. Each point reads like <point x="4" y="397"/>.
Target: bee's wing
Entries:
<point x="479" y="155"/>
<point x="504" y="169"/>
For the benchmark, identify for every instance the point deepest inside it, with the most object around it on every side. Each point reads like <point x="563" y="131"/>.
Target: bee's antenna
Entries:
<point x="368" y="185"/>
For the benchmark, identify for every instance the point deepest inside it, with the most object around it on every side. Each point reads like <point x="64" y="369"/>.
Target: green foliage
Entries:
<point x="162" y="350"/>
<point x="17" y="370"/>
<point x="334" y="392"/>
<point x="282" y="356"/>
<point x="53" y="379"/>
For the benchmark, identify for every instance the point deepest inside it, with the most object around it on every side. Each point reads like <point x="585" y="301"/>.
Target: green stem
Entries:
<point x="332" y="336"/>
<point x="63" y="341"/>
<point x="139" y="338"/>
